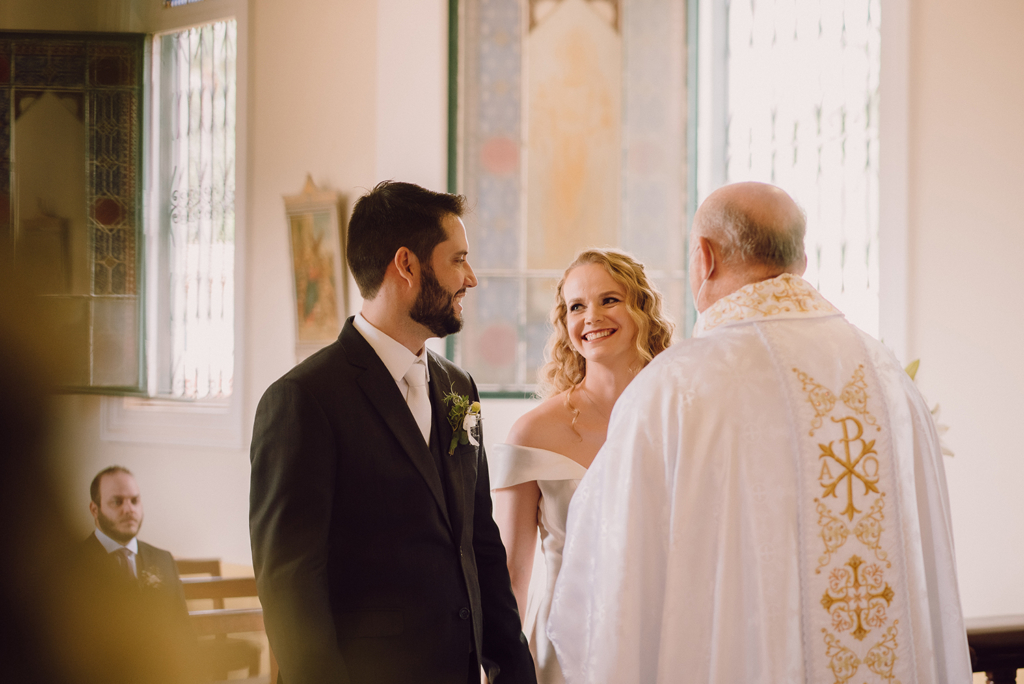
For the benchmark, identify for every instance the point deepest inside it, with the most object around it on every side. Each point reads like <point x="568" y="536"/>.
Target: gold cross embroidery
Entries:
<point x="853" y="599"/>
<point x="849" y="465"/>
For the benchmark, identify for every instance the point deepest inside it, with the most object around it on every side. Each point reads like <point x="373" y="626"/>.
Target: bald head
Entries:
<point x="756" y="226"/>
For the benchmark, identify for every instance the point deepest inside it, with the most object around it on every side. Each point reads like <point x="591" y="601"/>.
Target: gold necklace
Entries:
<point x="594" y="404"/>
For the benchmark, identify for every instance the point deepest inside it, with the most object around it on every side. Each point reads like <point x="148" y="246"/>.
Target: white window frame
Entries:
<point x="214" y="423"/>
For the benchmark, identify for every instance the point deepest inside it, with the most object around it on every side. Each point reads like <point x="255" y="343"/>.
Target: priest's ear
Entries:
<point x="702" y="258"/>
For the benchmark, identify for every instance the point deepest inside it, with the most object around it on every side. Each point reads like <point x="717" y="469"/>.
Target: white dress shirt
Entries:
<point x="396" y="356"/>
<point x="111" y="546"/>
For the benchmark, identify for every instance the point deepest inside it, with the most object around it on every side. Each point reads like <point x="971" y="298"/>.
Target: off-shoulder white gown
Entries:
<point x="557" y="477"/>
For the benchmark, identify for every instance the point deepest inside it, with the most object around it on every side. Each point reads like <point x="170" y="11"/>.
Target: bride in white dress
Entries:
<point x="608" y="325"/>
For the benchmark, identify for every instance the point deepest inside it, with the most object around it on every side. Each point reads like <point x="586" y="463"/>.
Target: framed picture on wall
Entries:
<point x="318" y="266"/>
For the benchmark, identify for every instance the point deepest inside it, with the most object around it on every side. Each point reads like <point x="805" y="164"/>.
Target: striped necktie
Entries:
<point x="124" y="560"/>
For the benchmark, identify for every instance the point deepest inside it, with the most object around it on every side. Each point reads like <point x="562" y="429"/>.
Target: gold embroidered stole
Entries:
<point x="852" y="572"/>
<point x="785" y="296"/>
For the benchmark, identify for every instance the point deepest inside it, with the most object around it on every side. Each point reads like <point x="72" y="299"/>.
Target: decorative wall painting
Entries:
<point x="318" y="265"/>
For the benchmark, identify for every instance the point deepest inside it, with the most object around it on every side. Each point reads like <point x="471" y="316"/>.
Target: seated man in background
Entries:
<point x="151" y="573"/>
<point x="68" y="621"/>
<point x="116" y="509"/>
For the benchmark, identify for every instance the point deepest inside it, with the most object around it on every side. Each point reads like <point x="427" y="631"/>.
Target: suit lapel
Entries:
<point x="142" y="562"/>
<point x="441" y="384"/>
<point x="382" y="392"/>
<point x="94" y="548"/>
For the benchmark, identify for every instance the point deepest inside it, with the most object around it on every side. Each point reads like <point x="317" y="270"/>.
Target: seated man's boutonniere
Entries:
<point x="464" y="418"/>
<point x="150" y="580"/>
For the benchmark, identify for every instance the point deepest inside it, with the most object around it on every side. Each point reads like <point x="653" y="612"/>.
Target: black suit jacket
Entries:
<point x="372" y="564"/>
<point x="155" y="570"/>
<point x="149" y="611"/>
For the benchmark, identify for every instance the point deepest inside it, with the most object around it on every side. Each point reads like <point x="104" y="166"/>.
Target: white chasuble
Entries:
<point x="770" y="506"/>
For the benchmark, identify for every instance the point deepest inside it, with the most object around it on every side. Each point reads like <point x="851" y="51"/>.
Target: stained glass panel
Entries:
<point x="5" y="62"/>
<point x="6" y="235"/>
<point x="490" y="345"/>
<point x="113" y="116"/>
<point x="490" y="157"/>
<point x="572" y="129"/>
<point x="115" y="337"/>
<point x="573" y="141"/>
<point x="70" y="104"/>
<point x="540" y="297"/>
<point x="50" y="63"/>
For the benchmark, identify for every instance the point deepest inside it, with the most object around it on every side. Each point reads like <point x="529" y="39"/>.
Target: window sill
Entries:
<point x="215" y="423"/>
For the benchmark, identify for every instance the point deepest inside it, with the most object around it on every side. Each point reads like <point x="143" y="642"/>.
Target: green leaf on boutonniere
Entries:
<point x="464" y="417"/>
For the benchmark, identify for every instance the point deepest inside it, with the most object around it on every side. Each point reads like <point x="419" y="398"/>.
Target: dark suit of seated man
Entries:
<point x="149" y="573"/>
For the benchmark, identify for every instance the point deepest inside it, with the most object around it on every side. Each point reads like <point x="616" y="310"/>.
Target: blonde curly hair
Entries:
<point x="566" y="368"/>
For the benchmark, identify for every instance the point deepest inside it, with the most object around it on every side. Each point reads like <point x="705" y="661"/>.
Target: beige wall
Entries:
<point x="322" y="100"/>
<point x="54" y="15"/>
<point x="966" y="321"/>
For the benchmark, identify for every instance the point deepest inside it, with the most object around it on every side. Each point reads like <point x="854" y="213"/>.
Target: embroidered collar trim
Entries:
<point x="785" y="296"/>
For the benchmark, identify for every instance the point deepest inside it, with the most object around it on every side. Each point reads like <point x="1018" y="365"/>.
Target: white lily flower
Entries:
<point x="469" y="425"/>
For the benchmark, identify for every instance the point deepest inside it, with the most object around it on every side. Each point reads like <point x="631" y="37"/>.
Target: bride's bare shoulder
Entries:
<point x="544" y="426"/>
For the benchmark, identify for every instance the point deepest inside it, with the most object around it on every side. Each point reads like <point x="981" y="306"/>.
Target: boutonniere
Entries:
<point x="464" y="418"/>
<point x="150" y="580"/>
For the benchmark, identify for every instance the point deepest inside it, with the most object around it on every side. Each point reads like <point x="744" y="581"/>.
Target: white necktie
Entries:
<point x="419" y="399"/>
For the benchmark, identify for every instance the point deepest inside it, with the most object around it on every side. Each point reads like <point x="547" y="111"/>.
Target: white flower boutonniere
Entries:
<point x="464" y="417"/>
<point x="150" y="580"/>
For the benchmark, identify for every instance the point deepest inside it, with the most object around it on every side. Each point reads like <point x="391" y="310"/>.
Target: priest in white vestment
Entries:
<point x="770" y="506"/>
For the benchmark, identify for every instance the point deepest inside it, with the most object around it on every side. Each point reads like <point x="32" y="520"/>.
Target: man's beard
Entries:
<point x="434" y="307"/>
<point x="108" y="527"/>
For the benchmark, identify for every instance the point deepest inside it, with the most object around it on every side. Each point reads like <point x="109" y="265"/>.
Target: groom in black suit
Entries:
<point x="377" y="560"/>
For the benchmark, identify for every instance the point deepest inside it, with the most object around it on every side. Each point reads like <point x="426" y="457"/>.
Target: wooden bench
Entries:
<point x="223" y="621"/>
<point x="218" y="588"/>
<point x="997" y="645"/>
<point x="199" y="566"/>
<point x="227" y="654"/>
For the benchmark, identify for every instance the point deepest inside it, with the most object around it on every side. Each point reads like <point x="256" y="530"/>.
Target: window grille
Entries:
<point x="197" y="181"/>
<point x="803" y="86"/>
